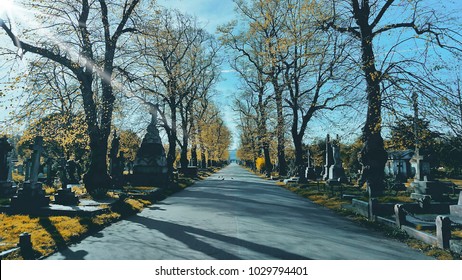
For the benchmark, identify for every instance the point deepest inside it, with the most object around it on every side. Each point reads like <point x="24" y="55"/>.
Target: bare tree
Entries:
<point x="366" y="21"/>
<point x="94" y="29"/>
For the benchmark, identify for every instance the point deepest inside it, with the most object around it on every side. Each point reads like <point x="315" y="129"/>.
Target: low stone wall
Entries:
<point x="360" y="207"/>
<point x="420" y="235"/>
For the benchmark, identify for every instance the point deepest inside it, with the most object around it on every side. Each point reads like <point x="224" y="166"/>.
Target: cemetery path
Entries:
<point x="234" y="214"/>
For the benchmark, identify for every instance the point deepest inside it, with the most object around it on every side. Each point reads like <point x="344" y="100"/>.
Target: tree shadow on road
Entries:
<point x="185" y="234"/>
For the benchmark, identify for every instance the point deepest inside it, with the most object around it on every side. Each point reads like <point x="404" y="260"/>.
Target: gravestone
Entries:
<point x="456" y="210"/>
<point x="27" y="165"/>
<point x="72" y="172"/>
<point x="6" y="180"/>
<point x="422" y="186"/>
<point x="310" y="172"/>
<point x="329" y="159"/>
<point x="150" y="166"/>
<point x="336" y="172"/>
<point x="65" y="196"/>
<point x="30" y="195"/>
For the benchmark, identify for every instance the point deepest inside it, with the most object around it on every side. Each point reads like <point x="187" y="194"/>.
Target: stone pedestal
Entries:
<point x="337" y="174"/>
<point x="29" y="197"/>
<point x="65" y="196"/>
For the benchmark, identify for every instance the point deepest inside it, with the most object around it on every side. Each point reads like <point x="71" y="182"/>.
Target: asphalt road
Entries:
<point x="236" y="215"/>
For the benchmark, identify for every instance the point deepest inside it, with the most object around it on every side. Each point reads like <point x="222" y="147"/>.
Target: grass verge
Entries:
<point x="312" y="192"/>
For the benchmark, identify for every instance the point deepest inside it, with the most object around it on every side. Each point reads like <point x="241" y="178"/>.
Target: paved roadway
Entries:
<point x="236" y="215"/>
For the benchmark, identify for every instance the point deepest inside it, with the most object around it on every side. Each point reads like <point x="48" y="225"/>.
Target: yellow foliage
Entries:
<point x="260" y="164"/>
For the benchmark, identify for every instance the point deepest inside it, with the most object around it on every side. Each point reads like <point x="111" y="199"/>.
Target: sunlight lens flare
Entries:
<point x="6" y="7"/>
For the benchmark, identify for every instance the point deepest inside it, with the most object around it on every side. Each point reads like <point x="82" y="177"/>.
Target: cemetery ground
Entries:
<point x="339" y="199"/>
<point x="52" y="233"/>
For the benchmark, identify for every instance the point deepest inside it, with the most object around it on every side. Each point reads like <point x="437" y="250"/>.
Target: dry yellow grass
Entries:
<point x="105" y="219"/>
<point x="457" y="233"/>
<point x="46" y="233"/>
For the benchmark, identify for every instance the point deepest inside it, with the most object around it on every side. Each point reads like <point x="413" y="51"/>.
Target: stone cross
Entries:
<point x="37" y="151"/>
<point x="417" y="158"/>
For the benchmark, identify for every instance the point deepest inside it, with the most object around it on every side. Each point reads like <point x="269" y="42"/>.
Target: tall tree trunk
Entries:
<point x="96" y="179"/>
<point x="203" y="158"/>
<point x="266" y="154"/>
<point x="300" y="165"/>
<point x="193" y="143"/>
<point x="263" y="131"/>
<point x="172" y="137"/>
<point x="373" y="155"/>
<point x="282" y="165"/>
<point x="184" y="162"/>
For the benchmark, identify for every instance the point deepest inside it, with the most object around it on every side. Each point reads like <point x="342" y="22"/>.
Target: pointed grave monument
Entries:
<point x="150" y="166"/>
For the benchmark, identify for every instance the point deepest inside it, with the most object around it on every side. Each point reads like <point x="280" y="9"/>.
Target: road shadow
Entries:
<point x="185" y="234"/>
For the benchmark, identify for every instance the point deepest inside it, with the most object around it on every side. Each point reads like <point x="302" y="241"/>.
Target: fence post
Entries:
<point x="400" y="215"/>
<point x="25" y="244"/>
<point x="443" y="231"/>
<point x="372" y="209"/>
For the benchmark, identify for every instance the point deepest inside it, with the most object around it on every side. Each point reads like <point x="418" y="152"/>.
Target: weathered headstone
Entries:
<point x="336" y="172"/>
<point x="30" y="194"/>
<point x="456" y="210"/>
<point x="150" y="166"/>
<point x="329" y="159"/>
<point x="6" y="182"/>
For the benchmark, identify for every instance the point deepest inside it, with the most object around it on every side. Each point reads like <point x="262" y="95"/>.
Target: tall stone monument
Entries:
<point x="423" y="184"/>
<point x="329" y="159"/>
<point x="336" y="172"/>
<point x="6" y="182"/>
<point x="150" y="166"/>
<point x="310" y="172"/>
<point x="30" y="195"/>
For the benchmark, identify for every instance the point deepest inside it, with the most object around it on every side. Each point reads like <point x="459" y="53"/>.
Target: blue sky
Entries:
<point x="212" y="13"/>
